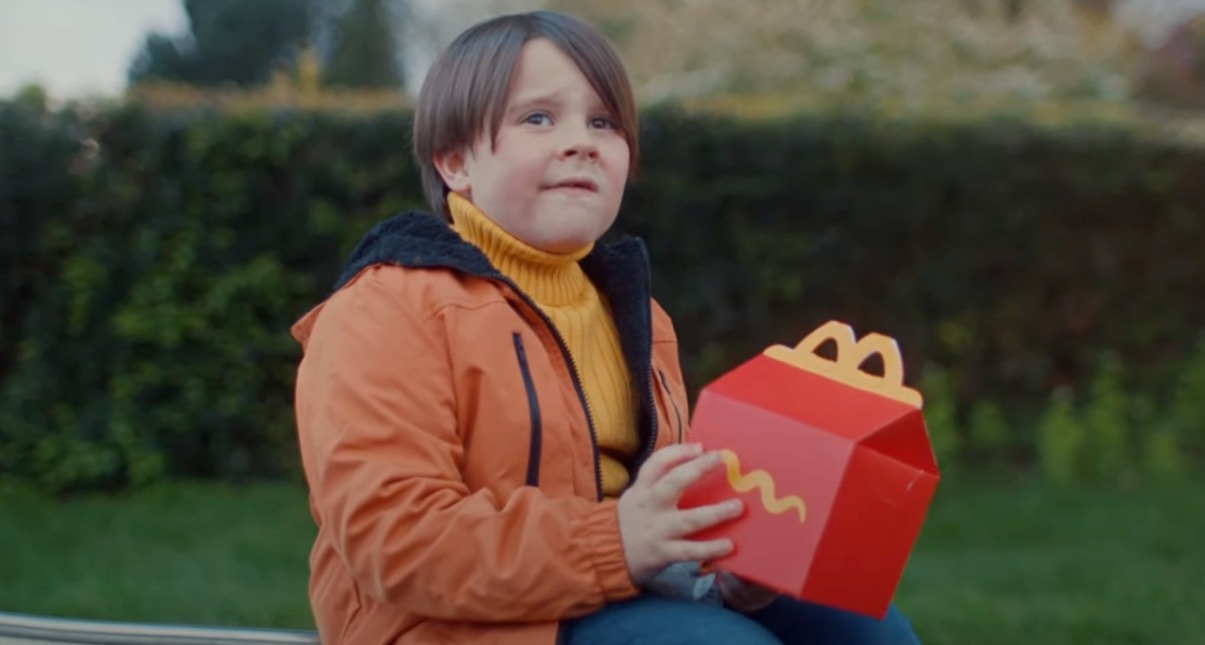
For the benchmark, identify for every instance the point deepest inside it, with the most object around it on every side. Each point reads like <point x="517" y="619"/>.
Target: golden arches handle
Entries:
<point x="851" y="354"/>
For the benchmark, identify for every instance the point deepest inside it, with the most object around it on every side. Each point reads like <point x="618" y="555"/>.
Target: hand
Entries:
<point x="743" y="596"/>
<point x="653" y="529"/>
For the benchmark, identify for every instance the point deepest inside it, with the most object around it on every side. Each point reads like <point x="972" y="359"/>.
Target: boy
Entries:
<point x="490" y="407"/>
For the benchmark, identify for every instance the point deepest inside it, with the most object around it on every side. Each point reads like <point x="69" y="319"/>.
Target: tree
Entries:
<point x="364" y="52"/>
<point x="229" y="41"/>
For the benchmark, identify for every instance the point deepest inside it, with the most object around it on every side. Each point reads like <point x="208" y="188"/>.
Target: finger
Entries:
<point x="726" y="581"/>
<point x="727" y="584"/>
<point x="697" y="551"/>
<point x="704" y="517"/>
<point x="665" y="460"/>
<point x="732" y="586"/>
<point x="670" y="487"/>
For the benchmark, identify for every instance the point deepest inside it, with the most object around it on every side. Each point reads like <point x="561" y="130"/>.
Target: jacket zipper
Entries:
<point x="573" y="372"/>
<point x="670" y="397"/>
<point x="533" y="407"/>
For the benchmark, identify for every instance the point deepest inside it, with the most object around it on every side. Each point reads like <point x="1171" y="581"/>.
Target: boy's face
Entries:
<point x="555" y="175"/>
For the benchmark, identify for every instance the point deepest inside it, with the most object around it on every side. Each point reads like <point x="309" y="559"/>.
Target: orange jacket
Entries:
<point x="452" y="467"/>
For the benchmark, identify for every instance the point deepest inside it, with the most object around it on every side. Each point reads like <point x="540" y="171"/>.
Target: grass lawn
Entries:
<point x="995" y="565"/>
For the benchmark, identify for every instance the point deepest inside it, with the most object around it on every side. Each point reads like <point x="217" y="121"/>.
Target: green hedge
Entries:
<point x="155" y="260"/>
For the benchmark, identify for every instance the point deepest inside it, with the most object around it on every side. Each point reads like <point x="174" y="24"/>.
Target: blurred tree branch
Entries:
<point x="228" y="42"/>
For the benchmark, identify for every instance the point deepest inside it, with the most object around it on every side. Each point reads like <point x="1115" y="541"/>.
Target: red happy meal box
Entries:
<point x="833" y="463"/>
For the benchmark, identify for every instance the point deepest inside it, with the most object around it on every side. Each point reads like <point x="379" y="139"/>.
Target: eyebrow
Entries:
<point x="528" y="100"/>
<point x="522" y="102"/>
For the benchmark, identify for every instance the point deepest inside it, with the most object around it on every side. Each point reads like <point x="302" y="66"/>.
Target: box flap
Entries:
<point x="906" y="439"/>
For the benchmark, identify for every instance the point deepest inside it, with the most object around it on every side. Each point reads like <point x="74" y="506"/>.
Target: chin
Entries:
<point x="580" y="230"/>
<point x="567" y="244"/>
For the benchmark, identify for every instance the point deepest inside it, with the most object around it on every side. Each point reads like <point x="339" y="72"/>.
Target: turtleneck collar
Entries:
<point x="551" y="279"/>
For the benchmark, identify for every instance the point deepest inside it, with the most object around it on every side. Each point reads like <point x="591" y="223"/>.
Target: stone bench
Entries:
<point x="22" y="629"/>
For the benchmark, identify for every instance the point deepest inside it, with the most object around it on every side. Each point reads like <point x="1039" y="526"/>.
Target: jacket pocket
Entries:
<point x="669" y="396"/>
<point x="533" y="408"/>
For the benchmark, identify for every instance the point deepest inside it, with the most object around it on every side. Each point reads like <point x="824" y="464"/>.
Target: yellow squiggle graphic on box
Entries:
<point x="764" y="483"/>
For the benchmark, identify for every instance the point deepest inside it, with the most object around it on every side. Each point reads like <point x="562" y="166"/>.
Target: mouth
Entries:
<point x="576" y="184"/>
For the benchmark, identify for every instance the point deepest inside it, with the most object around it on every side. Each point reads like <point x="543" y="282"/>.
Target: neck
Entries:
<point x="551" y="279"/>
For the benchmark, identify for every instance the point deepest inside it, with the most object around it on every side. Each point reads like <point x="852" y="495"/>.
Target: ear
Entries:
<point x="453" y="168"/>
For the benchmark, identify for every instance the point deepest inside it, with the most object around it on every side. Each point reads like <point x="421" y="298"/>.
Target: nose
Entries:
<point x="579" y="141"/>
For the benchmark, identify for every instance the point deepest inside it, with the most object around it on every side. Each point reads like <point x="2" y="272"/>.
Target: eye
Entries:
<point x="538" y="118"/>
<point x="603" y="123"/>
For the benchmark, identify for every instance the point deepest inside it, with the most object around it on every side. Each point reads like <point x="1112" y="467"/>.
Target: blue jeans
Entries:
<point x="650" y="619"/>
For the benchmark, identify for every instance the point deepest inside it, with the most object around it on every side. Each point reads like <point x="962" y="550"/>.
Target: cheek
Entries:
<point x="620" y="176"/>
<point x="618" y="163"/>
<point x="617" y="175"/>
<point x="522" y="174"/>
<point x="512" y="182"/>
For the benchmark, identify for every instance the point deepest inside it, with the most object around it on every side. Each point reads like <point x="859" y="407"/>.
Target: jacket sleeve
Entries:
<point x="377" y="425"/>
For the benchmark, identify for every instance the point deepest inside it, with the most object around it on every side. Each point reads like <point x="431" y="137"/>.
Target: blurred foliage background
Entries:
<point x="1013" y="189"/>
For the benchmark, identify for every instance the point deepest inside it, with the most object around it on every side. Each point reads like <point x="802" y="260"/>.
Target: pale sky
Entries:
<point x="77" y="47"/>
<point x="83" y="47"/>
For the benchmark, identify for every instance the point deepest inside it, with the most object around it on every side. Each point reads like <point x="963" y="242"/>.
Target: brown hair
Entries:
<point x="466" y="89"/>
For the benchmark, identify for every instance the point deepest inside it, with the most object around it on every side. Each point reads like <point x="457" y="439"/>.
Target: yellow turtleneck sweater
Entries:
<point x="558" y="285"/>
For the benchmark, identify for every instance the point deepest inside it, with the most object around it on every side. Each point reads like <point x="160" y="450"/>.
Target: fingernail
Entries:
<point x="736" y="506"/>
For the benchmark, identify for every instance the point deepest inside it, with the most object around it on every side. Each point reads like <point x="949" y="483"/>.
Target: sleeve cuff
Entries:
<point x="601" y="532"/>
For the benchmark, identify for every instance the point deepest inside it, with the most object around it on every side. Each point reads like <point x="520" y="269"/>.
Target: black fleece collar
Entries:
<point x="619" y="270"/>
